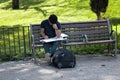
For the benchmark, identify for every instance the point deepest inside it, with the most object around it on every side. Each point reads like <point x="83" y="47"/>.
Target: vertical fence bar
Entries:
<point x="29" y="38"/>
<point x="0" y="50"/>
<point x="14" y="41"/>
<point x="0" y="44"/>
<point x="4" y="41"/>
<point x="9" y="43"/>
<point x="0" y="47"/>
<point x="19" y="39"/>
<point x="24" y="42"/>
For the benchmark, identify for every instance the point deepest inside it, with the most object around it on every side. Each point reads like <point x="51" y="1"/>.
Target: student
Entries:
<point x="50" y="28"/>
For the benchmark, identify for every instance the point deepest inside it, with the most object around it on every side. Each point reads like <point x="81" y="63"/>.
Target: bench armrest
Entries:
<point x="85" y="38"/>
<point x="114" y="33"/>
<point x="33" y="40"/>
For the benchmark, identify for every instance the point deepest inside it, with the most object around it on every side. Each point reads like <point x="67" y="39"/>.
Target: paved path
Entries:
<point x="87" y="68"/>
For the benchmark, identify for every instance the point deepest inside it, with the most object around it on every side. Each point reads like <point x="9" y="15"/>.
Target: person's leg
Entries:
<point x="54" y="47"/>
<point x="47" y="47"/>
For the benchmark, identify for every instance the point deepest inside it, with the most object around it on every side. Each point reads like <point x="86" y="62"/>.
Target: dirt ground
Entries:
<point x="87" y="68"/>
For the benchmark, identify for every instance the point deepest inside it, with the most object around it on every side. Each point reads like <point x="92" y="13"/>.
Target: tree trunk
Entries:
<point x="15" y="4"/>
<point x="98" y="16"/>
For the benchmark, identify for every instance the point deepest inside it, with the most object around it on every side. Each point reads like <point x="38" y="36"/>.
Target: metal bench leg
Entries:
<point x="108" y="48"/>
<point x="111" y="49"/>
<point x="33" y="55"/>
<point x="115" y="48"/>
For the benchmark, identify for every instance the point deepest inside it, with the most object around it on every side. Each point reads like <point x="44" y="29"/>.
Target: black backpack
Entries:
<point x="64" y="58"/>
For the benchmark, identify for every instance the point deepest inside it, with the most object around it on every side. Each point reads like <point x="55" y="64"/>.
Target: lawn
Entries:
<point x="34" y="11"/>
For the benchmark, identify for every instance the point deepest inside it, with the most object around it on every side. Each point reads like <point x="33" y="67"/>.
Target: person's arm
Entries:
<point x="43" y="34"/>
<point x="57" y="31"/>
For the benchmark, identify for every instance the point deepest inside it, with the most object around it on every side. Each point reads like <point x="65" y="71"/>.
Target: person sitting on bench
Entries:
<point x="50" y="28"/>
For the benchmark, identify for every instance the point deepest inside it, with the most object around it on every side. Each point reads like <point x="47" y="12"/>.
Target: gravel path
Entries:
<point x="87" y="68"/>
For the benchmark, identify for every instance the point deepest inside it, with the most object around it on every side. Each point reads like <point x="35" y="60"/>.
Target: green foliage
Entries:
<point x="98" y="6"/>
<point x="115" y="21"/>
<point x="90" y="49"/>
<point x="40" y="53"/>
<point x="7" y="57"/>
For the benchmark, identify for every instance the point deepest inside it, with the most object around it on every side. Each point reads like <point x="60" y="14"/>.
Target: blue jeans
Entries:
<point x="51" y="47"/>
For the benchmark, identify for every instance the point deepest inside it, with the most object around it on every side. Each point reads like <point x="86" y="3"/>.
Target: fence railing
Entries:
<point x="15" y="42"/>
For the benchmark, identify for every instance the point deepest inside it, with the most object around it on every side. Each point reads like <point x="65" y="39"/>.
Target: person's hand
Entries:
<point x="45" y="37"/>
<point x="55" y="26"/>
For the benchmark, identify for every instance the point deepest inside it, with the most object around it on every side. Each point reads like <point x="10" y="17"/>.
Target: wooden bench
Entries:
<point x="81" y="33"/>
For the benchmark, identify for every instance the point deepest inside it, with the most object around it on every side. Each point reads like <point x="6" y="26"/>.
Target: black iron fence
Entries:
<point x="15" y="42"/>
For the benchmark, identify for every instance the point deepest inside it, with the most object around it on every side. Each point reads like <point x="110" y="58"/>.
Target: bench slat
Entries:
<point x="90" y="42"/>
<point x="84" y="24"/>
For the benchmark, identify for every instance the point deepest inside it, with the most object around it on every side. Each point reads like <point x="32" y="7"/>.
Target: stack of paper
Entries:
<point x="62" y="37"/>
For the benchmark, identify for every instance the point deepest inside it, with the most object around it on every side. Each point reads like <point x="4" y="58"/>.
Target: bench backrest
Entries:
<point x="95" y="30"/>
<point x="35" y="30"/>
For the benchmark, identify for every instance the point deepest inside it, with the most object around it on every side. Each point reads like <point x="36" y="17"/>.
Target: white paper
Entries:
<point x="63" y="37"/>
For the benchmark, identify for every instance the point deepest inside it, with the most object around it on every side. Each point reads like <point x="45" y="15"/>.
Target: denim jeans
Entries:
<point x="51" y="47"/>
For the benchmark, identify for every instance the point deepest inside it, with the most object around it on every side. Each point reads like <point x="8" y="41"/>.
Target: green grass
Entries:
<point x="34" y="11"/>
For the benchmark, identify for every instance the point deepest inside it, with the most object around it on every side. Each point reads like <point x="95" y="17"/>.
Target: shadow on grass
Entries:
<point x="24" y="5"/>
<point x="44" y="12"/>
<point x="7" y="4"/>
<point x="3" y="1"/>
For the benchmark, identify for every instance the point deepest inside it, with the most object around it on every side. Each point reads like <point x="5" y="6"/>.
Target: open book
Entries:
<point x="61" y="38"/>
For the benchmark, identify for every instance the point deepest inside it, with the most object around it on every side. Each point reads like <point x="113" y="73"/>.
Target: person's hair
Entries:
<point x="53" y="18"/>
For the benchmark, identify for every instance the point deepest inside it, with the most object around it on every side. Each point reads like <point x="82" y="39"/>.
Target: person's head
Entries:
<point x="53" y="19"/>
